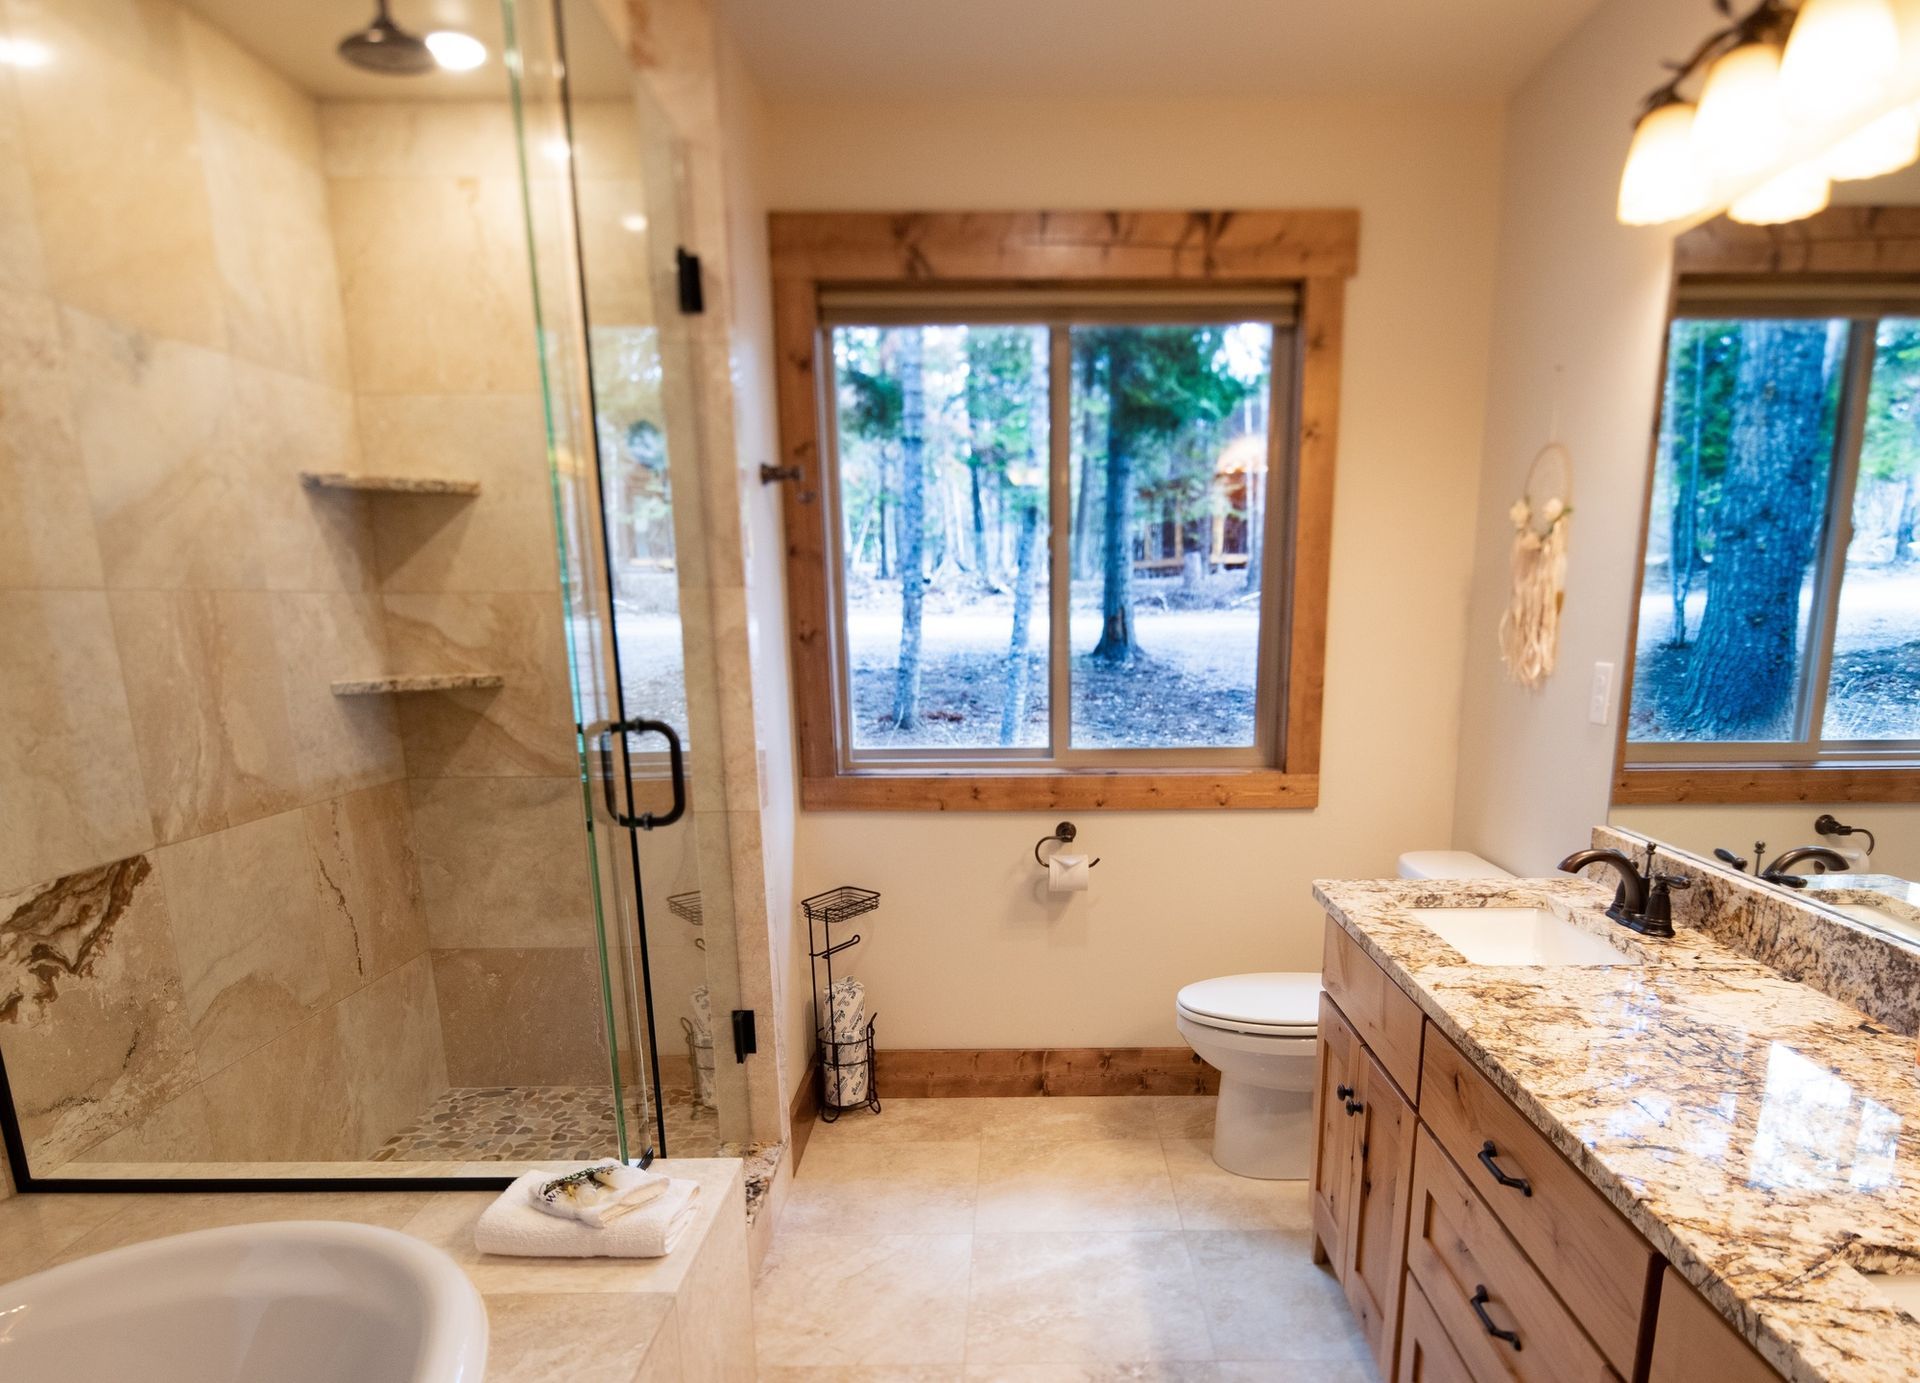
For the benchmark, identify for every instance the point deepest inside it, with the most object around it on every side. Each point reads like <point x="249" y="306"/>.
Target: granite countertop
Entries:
<point x="1763" y="1137"/>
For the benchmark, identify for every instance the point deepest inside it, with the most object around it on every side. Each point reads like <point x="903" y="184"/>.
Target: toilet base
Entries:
<point x="1263" y="1132"/>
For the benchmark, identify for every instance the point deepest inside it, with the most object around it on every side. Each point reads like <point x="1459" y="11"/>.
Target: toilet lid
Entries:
<point x="1281" y="1003"/>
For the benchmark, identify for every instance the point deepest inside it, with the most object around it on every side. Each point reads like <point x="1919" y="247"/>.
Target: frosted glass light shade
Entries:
<point x="1663" y="180"/>
<point x="1739" y="127"/>
<point x="1840" y="58"/>
<point x="1786" y="196"/>
<point x="1885" y="145"/>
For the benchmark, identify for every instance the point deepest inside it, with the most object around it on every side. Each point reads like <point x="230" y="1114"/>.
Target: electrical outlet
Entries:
<point x="1600" y="697"/>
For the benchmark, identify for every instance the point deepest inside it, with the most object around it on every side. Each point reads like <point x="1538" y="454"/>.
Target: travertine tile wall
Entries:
<point x="213" y="935"/>
<point x="428" y="229"/>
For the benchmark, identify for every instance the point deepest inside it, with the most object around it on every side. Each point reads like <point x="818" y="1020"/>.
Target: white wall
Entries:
<point x="963" y="952"/>
<point x="1580" y="310"/>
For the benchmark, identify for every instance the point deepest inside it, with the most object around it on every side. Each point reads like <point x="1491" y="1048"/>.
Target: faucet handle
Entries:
<point x="1679" y="883"/>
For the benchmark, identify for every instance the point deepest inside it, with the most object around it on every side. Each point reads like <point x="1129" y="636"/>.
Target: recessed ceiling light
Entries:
<point x="634" y="222"/>
<point x="457" y="52"/>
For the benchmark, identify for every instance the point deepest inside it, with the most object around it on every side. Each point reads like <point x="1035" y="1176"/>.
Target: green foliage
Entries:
<point x="1891" y="448"/>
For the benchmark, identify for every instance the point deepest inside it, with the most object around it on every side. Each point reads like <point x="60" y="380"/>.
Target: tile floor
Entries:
<point x="1043" y="1240"/>
<point x="516" y="1123"/>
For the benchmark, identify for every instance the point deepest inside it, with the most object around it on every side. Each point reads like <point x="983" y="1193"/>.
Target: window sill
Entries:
<point x="1644" y="785"/>
<point x="1262" y="789"/>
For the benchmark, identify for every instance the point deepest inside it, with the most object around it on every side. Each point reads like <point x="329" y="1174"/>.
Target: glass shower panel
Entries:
<point x="622" y="170"/>
<point x="316" y="570"/>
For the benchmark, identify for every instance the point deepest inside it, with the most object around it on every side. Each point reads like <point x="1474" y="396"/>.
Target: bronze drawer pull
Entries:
<point x="1478" y="1301"/>
<point x="1345" y="1092"/>
<point x="1487" y="1153"/>
<point x="1354" y="1107"/>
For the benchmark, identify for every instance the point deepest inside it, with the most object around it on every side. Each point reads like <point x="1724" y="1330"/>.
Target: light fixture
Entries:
<point x="1663" y="180"/>
<point x="455" y="51"/>
<point x="24" y="52"/>
<point x="557" y="150"/>
<point x="1786" y="196"/>
<point x="633" y="221"/>
<point x="1840" y="58"/>
<point x="1739" y="128"/>
<point x="1885" y="145"/>
<point x="1789" y="97"/>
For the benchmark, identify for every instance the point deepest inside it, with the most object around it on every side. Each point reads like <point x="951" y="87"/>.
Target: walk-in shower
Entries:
<point x="340" y="582"/>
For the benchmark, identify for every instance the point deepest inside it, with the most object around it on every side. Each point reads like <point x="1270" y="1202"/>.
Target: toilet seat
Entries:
<point x="1269" y="1004"/>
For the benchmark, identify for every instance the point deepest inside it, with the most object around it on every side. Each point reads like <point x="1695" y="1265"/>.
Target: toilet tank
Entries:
<point x="1448" y="864"/>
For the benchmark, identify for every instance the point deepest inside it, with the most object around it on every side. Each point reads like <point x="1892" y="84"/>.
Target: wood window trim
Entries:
<point x="1846" y="247"/>
<point x="1315" y="250"/>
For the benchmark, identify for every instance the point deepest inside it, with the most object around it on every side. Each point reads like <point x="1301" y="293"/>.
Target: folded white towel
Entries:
<point x="598" y="1195"/>
<point x="511" y="1226"/>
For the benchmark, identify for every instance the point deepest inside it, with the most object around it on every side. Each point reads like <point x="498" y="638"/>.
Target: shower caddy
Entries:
<point x="825" y="911"/>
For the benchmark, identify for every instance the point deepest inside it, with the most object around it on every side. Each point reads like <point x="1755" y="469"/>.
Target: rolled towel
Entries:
<point x="597" y="1196"/>
<point x="512" y="1227"/>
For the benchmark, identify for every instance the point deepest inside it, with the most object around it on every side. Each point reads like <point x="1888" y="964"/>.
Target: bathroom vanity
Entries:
<point x="1549" y="1149"/>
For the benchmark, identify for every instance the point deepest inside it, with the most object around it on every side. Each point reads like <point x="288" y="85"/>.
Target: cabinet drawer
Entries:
<point x="1380" y="1011"/>
<point x="1478" y="1282"/>
<point x="1426" y="1354"/>
<point x="1586" y="1251"/>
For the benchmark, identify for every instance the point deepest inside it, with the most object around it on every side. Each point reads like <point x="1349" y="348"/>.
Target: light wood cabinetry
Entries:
<point x="1692" y="1343"/>
<point x="1426" y="1354"/>
<point x="1382" y="1015"/>
<point x="1578" y="1242"/>
<point x="1362" y="1169"/>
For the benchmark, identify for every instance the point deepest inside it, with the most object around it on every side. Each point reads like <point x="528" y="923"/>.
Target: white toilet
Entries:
<point x="1259" y="1031"/>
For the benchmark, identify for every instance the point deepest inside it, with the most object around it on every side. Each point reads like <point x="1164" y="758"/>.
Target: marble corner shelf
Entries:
<point x="402" y="683"/>
<point x="388" y="484"/>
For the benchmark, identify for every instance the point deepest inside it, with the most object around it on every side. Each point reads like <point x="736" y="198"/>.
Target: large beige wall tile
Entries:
<point x="209" y="712"/>
<point x="91" y="1022"/>
<point x="229" y="81"/>
<point x="391" y="1050"/>
<point x="499" y="540"/>
<point x="418" y="139"/>
<point x="157" y="433"/>
<point x="503" y="862"/>
<point x="435" y="280"/>
<point x="274" y="249"/>
<point x="522" y="1017"/>
<point x="46" y="524"/>
<point x="606" y="139"/>
<point x="21" y="265"/>
<point x="70" y="790"/>
<point x="178" y="1131"/>
<point x="340" y="743"/>
<point x="369" y="879"/>
<point x="614" y="253"/>
<point x="118" y="187"/>
<point x="290" y="1100"/>
<point x="249" y="933"/>
<point x="303" y="540"/>
<point x="525" y="727"/>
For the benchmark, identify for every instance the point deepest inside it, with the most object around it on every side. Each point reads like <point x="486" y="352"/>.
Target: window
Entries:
<point x="1060" y="535"/>
<point x="1779" y="613"/>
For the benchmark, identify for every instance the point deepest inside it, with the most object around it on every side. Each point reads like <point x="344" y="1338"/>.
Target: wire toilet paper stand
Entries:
<point x="842" y="1059"/>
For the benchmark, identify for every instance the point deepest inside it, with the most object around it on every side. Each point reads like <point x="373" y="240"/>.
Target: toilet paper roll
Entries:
<point x="847" y="1008"/>
<point x="701" y="1002"/>
<point x="1067" y="873"/>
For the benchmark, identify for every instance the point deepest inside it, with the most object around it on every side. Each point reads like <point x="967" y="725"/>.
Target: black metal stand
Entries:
<point x="825" y="911"/>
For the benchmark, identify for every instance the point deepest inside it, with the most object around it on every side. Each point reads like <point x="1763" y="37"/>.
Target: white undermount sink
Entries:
<point x="1887" y="919"/>
<point x="1902" y="1289"/>
<point x="297" y="1302"/>
<point x="1518" y="936"/>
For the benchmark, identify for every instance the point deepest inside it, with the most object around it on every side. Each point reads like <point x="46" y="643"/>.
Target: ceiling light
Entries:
<point x="1885" y="145"/>
<point x="1662" y="181"/>
<point x="1738" y="129"/>
<point x="1786" y="196"/>
<point x="24" y="52"/>
<point x="557" y="150"/>
<point x="456" y="52"/>
<point x="1840" y="58"/>
<point x="633" y="221"/>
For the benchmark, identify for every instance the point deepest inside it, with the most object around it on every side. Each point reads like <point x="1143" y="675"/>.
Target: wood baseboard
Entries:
<point x="803" y="1114"/>
<point x="962" y="1072"/>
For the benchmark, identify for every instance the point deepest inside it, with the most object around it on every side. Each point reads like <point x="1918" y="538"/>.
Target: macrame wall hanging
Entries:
<point x="1530" y="629"/>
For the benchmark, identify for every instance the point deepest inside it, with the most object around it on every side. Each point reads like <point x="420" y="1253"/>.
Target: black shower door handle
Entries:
<point x="676" y="768"/>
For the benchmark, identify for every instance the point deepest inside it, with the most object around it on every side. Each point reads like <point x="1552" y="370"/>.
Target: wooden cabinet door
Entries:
<point x="1692" y="1341"/>
<point x="1377" y="1235"/>
<point x="1333" y="1139"/>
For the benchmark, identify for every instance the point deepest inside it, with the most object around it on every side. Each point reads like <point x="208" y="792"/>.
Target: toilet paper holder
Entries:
<point x="1063" y="834"/>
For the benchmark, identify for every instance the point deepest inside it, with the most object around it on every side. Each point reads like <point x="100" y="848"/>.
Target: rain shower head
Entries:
<point x="384" y="47"/>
